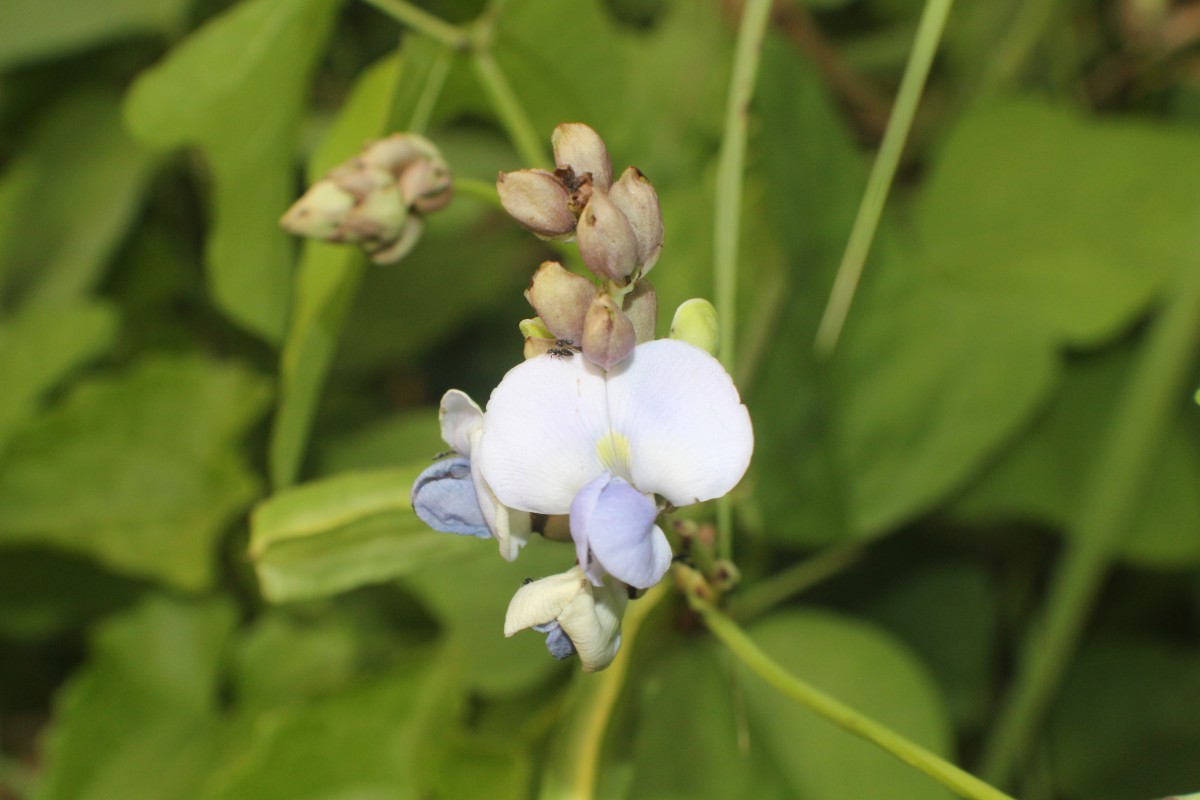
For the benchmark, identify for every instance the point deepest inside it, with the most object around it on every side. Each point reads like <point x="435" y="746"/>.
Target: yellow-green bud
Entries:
<point x="695" y="322"/>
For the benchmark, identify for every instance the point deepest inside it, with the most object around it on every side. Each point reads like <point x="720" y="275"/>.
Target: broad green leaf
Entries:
<point x="401" y="438"/>
<point x="68" y="200"/>
<point x="864" y="668"/>
<point x="1032" y="207"/>
<point x="148" y="697"/>
<point x="326" y="280"/>
<point x="687" y="743"/>
<point x="948" y="613"/>
<point x="39" y="346"/>
<point x="371" y="741"/>
<point x="236" y="88"/>
<point x="340" y="533"/>
<point x="34" y="604"/>
<point x="930" y="380"/>
<point x="1042" y="476"/>
<point x="37" y="29"/>
<point x="1125" y="724"/>
<point x="138" y="470"/>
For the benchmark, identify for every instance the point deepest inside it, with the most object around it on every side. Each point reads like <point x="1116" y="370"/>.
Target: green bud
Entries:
<point x="320" y="212"/>
<point x="536" y="328"/>
<point x="426" y="185"/>
<point x="402" y="244"/>
<point x="695" y="322"/>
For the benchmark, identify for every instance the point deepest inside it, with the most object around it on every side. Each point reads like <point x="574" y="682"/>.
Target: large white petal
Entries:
<point x="460" y="417"/>
<point x="689" y="435"/>
<point x="510" y="527"/>
<point x="540" y="433"/>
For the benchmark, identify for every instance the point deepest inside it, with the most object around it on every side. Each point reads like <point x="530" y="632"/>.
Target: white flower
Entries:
<point x="565" y="436"/>
<point x="577" y="616"/>
<point x="454" y="497"/>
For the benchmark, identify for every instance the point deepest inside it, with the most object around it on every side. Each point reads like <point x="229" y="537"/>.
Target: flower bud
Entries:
<point x="641" y="306"/>
<point x="638" y="201"/>
<point x="426" y="185"/>
<point x="578" y="147"/>
<point x="538" y="201"/>
<point x="393" y="153"/>
<point x="320" y="212"/>
<point x="608" y="335"/>
<point x="561" y="298"/>
<point x="695" y="322"/>
<point x="535" y="328"/>
<point x="401" y="245"/>
<point x="607" y="242"/>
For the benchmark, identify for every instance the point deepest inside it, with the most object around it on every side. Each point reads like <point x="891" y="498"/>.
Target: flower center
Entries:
<point x="613" y="452"/>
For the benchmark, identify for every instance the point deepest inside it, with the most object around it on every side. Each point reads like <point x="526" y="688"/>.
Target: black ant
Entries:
<point x="563" y="348"/>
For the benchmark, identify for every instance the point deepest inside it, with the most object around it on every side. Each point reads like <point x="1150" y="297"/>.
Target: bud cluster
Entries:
<point x="377" y="199"/>
<point x="619" y="230"/>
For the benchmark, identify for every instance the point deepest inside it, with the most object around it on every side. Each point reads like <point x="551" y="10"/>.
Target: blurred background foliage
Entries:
<point x="1013" y="392"/>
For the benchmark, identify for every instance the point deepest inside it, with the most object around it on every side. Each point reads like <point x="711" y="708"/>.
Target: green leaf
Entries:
<point x="688" y="706"/>
<point x="865" y="669"/>
<point x="1125" y="724"/>
<point x="337" y="534"/>
<point x="37" y="29"/>
<point x="236" y="88"/>
<point x="1029" y="206"/>
<point x="1041" y="477"/>
<point x="148" y="697"/>
<point x="34" y="605"/>
<point x="404" y="437"/>
<point x="69" y="200"/>
<point x="139" y="470"/>
<point x="39" y="346"/>
<point x="368" y="742"/>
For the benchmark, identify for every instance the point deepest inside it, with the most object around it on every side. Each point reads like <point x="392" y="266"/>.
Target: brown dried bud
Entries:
<point x="582" y="150"/>
<point x="638" y="201"/>
<point x="607" y="242"/>
<point x="641" y="306"/>
<point x="394" y="153"/>
<point x="426" y="185"/>
<point x="561" y="298"/>
<point x="537" y="200"/>
<point x="608" y="335"/>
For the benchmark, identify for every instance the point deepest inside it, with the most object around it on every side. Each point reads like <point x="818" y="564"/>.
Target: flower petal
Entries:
<point x="689" y="435"/>
<point x="510" y="526"/>
<point x="593" y="622"/>
<point x="621" y="534"/>
<point x="540" y="602"/>
<point x="542" y="426"/>
<point x="444" y="498"/>
<point x="581" y="513"/>
<point x="459" y="417"/>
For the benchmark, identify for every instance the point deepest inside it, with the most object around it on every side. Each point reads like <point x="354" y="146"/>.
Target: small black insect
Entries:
<point x="560" y="352"/>
<point x="566" y="344"/>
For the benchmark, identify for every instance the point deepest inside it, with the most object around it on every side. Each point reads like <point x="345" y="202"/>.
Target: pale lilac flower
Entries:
<point x="564" y="436"/>
<point x="453" y="496"/>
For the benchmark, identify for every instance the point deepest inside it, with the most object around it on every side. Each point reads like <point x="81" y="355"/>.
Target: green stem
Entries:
<point x="480" y="190"/>
<point x="1014" y="48"/>
<point x="929" y="33"/>
<point x="727" y="209"/>
<point x="574" y="763"/>
<point x="1146" y="408"/>
<point x="420" y="20"/>
<point x="512" y="115"/>
<point x="787" y="583"/>
<point x="953" y="778"/>
<point x="435" y="81"/>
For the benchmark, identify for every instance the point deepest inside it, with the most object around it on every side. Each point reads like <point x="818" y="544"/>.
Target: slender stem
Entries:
<point x="785" y="584"/>
<point x="953" y="778"/>
<point x="929" y="33"/>
<point x="422" y="21"/>
<point x="435" y="81"/>
<point x="1014" y="48"/>
<point x="727" y="209"/>
<point x="575" y="762"/>
<point x="1146" y="407"/>
<point x="480" y="190"/>
<point x="512" y="115"/>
